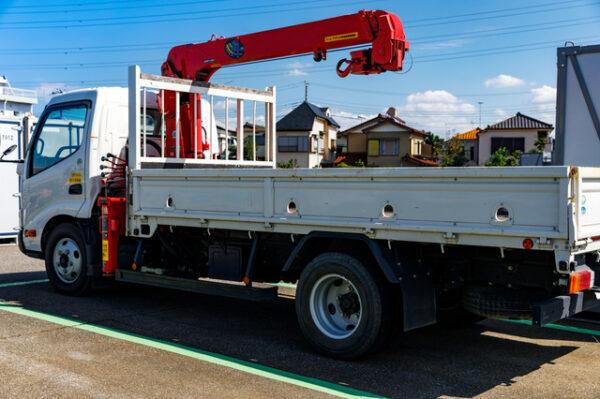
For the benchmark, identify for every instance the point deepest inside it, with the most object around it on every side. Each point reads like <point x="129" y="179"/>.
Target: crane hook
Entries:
<point x="342" y="73"/>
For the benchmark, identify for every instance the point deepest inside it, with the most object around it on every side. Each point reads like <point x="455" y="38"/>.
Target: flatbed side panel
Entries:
<point x="441" y="206"/>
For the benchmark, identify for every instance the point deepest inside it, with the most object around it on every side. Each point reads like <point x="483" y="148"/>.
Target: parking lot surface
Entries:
<point x="141" y="342"/>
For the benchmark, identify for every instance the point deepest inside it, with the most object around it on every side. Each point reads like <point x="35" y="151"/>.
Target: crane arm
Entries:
<point x="382" y="29"/>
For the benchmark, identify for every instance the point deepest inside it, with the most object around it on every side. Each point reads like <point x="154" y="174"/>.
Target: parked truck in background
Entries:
<point x="113" y="188"/>
<point x="16" y="125"/>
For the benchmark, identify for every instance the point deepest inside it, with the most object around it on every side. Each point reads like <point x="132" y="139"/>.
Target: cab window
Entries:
<point x="59" y="136"/>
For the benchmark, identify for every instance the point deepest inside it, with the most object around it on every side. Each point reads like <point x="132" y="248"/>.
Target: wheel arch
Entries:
<point x="416" y="286"/>
<point x="91" y="236"/>
<point x="316" y="243"/>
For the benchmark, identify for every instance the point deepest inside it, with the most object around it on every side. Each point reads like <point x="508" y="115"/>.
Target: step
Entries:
<point x="258" y="292"/>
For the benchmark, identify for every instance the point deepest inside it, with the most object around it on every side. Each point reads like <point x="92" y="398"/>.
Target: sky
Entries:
<point x="467" y="58"/>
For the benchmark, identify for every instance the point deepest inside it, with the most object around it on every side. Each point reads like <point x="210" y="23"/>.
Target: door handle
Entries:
<point x="75" y="189"/>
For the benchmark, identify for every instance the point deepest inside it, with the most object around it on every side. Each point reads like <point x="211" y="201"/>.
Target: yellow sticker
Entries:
<point x="343" y="36"/>
<point x="105" y="250"/>
<point x="75" y="178"/>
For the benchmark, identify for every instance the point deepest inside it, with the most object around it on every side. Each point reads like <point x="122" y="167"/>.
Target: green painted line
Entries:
<point x="558" y="327"/>
<point x="209" y="357"/>
<point x="23" y="283"/>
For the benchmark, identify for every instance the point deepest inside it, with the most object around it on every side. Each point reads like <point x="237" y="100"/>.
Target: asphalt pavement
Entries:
<point x="142" y="342"/>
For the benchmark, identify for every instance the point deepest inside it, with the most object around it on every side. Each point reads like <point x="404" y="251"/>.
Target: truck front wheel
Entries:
<point x="344" y="310"/>
<point x="66" y="262"/>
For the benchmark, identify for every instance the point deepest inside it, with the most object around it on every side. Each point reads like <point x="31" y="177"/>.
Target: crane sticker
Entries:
<point x="234" y="48"/>
<point x="343" y="36"/>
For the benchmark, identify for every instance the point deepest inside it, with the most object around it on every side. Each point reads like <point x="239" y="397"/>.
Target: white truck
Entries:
<point x="16" y="122"/>
<point x="112" y="188"/>
<point x="368" y="247"/>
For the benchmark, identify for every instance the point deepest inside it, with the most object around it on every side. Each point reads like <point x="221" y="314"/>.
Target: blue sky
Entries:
<point x="500" y="53"/>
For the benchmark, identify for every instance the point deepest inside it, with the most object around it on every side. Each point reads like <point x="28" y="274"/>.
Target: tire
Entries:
<point x="66" y="261"/>
<point x="501" y="302"/>
<point x="344" y="310"/>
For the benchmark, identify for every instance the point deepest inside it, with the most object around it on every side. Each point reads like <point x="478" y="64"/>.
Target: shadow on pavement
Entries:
<point x="429" y="362"/>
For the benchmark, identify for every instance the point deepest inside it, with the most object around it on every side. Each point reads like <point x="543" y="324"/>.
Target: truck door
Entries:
<point x="53" y="182"/>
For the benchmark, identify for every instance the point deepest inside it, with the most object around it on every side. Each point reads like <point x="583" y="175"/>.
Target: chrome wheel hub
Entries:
<point x="335" y="306"/>
<point x="67" y="260"/>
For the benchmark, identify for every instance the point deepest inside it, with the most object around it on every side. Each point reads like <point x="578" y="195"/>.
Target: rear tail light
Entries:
<point x="580" y="281"/>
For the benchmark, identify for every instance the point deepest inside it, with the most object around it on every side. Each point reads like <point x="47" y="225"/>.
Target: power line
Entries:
<point x="71" y="10"/>
<point x="480" y="18"/>
<point x="270" y="10"/>
<point x="509" y="30"/>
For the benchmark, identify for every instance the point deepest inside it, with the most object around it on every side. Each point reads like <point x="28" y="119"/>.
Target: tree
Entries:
<point x="503" y="157"/>
<point x="453" y="153"/>
<point x="291" y="164"/>
<point x="436" y="144"/>
<point x="540" y="144"/>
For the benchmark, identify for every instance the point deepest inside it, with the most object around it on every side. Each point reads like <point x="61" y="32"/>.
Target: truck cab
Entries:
<point x="61" y="176"/>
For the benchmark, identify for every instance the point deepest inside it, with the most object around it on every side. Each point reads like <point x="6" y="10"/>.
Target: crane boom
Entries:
<point x="380" y="28"/>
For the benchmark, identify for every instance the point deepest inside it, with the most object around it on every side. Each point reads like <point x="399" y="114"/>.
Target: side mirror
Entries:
<point x="8" y="150"/>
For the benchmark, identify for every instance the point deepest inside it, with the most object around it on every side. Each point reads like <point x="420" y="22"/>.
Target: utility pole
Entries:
<point x="480" y="102"/>
<point x="306" y="84"/>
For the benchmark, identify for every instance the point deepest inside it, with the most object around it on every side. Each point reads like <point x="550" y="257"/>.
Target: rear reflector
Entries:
<point x="596" y="238"/>
<point x="30" y="233"/>
<point x="580" y="281"/>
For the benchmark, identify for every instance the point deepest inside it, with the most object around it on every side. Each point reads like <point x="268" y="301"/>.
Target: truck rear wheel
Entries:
<point x="66" y="262"/>
<point x="344" y="310"/>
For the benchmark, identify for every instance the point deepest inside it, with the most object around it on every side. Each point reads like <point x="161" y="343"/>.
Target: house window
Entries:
<point x="292" y="143"/>
<point x="388" y="147"/>
<point x="373" y="148"/>
<point x="416" y="150"/>
<point x="542" y="134"/>
<point x="472" y="153"/>
<point x="512" y="144"/>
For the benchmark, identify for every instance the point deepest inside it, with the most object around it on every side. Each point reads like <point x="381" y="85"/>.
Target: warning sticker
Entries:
<point x="343" y="36"/>
<point x="75" y="178"/>
<point x="105" y="250"/>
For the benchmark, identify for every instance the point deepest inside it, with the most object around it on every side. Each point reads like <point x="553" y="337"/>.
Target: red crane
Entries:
<point x="200" y="61"/>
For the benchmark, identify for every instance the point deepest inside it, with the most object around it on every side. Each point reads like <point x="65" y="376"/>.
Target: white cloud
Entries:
<point x="544" y="100"/>
<point x="544" y="94"/>
<point x="438" y="111"/>
<point x="502" y="81"/>
<point x="298" y="68"/>
<point x="449" y="44"/>
<point x="296" y="72"/>
<point x="500" y="112"/>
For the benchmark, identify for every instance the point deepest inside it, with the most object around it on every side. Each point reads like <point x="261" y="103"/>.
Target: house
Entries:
<point x="308" y="135"/>
<point x="470" y="143"/>
<point x="519" y="132"/>
<point x="387" y="141"/>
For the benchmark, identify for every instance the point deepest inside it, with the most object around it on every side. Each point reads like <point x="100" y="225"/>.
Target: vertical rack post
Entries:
<point x="162" y="123"/>
<point x="134" y="116"/>
<point x="267" y="133"/>
<point x="195" y="126"/>
<point x="273" y="128"/>
<point x="226" y="128"/>
<point x="144" y="126"/>
<point x="177" y="127"/>
<point x="240" y="129"/>
<point x="254" y="130"/>
<point x="212" y="117"/>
